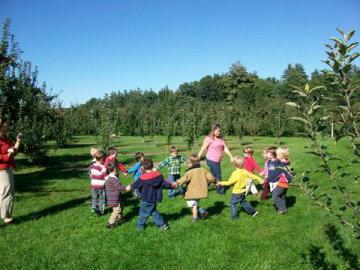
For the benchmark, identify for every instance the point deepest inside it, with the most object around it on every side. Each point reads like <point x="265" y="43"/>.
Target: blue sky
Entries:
<point x="88" y="48"/>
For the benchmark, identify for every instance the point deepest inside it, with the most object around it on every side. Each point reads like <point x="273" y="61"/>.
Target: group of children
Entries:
<point x="193" y="185"/>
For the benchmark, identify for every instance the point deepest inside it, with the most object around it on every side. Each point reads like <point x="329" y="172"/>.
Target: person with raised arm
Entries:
<point x="215" y="146"/>
<point x="8" y="151"/>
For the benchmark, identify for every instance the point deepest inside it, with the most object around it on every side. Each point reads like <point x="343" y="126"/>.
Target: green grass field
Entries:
<point x="54" y="228"/>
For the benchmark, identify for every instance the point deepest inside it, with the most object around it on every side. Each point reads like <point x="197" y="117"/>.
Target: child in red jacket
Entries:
<point x="112" y="157"/>
<point x="251" y="165"/>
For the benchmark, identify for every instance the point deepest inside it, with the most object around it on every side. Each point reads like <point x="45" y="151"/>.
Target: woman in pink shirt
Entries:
<point x="215" y="146"/>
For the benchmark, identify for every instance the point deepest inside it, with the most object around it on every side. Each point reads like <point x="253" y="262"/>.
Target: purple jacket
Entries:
<point x="150" y="185"/>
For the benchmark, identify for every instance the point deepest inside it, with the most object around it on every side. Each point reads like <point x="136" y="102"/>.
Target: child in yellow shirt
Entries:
<point x="239" y="178"/>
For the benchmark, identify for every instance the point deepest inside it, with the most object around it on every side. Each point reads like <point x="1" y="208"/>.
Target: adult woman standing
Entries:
<point x="215" y="146"/>
<point x="8" y="151"/>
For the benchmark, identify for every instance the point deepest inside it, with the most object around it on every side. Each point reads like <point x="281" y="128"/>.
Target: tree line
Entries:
<point x="241" y="101"/>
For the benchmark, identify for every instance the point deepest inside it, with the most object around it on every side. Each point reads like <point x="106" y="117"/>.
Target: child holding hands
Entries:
<point x="150" y="184"/>
<point x="251" y="165"/>
<point x="97" y="173"/>
<point x="278" y="174"/>
<point x="173" y="164"/>
<point x="113" y="194"/>
<point x="137" y="170"/>
<point x="197" y="180"/>
<point x="239" y="178"/>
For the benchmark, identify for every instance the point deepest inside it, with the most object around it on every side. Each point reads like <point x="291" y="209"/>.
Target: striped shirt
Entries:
<point x="113" y="190"/>
<point x="97" y="175"/>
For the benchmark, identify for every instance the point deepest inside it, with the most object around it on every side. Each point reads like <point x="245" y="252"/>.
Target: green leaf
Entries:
<point x="350" y="34"/>
<point x="300" y="119"/>
<point x="353" y="57"/>
<point x="352" y="46"/>
<point x="325" y="118"/>
<point x="343" y="108"/>
<point x="300" y="93"/>
<point x="327" y="62"/>
<point x="346" y="68"/>
<point x="340" y="31"/>
<point x="337" y="40"/>
<point x="306" y="88"/>
<point x="342" y="48"/>
<point x="316" y="88"/>
<point x="292" y="104"/>
<point x="317" y="107"/>
<point x="329" y="46"/>
<point x="305" y="173"/>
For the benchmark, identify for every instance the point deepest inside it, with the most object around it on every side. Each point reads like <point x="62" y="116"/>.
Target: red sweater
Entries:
<point x="250" y="165"/>
<point x="109" y="159"/>
<point x="5" y="161"/>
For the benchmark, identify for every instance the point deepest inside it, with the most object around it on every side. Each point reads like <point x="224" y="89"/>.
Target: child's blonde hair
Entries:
<point x="282" y="153"/>
<point x="238" y="161"/>
<point x="93" y="152"/>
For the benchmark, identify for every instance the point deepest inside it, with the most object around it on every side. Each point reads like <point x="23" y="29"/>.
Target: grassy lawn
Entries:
<point x="55" y="229"/>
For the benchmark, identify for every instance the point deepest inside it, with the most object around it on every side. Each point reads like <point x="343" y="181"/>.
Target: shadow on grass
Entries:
<point x="177" y="215"/>
<point x="216" y="209"/>
<point x="57" y="168"/>
<point x="316" y="255"/>
<point x="337" y="243"/>
<point x="290" y="201"/>
<point x="254" y="203"/>
<point x="62" y="167"/>
<point x="52" y="210"/>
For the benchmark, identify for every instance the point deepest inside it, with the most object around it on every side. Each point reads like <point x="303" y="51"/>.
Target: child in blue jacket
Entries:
<point x="150" y="185"/>
<point x="137" y="170"/>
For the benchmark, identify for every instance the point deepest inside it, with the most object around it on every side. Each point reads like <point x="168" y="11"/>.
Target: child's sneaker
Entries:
<point x="110" y="226"/>
<point x="255" y="214"/>
<point x="136" y="194"/>
<point x="164" y="227"/>
<point x="8" y="221"/>
<point x="101" y="213"/>
<point x="204" y="215"/>
<point x="282" y="212"/>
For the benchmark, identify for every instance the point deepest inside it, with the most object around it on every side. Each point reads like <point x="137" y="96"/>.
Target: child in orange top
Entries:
<point x="283" y="155"/>
<point x="284" y="176"/>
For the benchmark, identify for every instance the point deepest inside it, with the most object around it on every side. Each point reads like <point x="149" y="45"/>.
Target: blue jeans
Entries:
<point x="98" y="199"/>
<point x="215" y="170"/>
<point x="279" y="197"/>
<point x="172" y="178"/>
<point x="146" y="210"/>
<point x="240" y="198"/>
